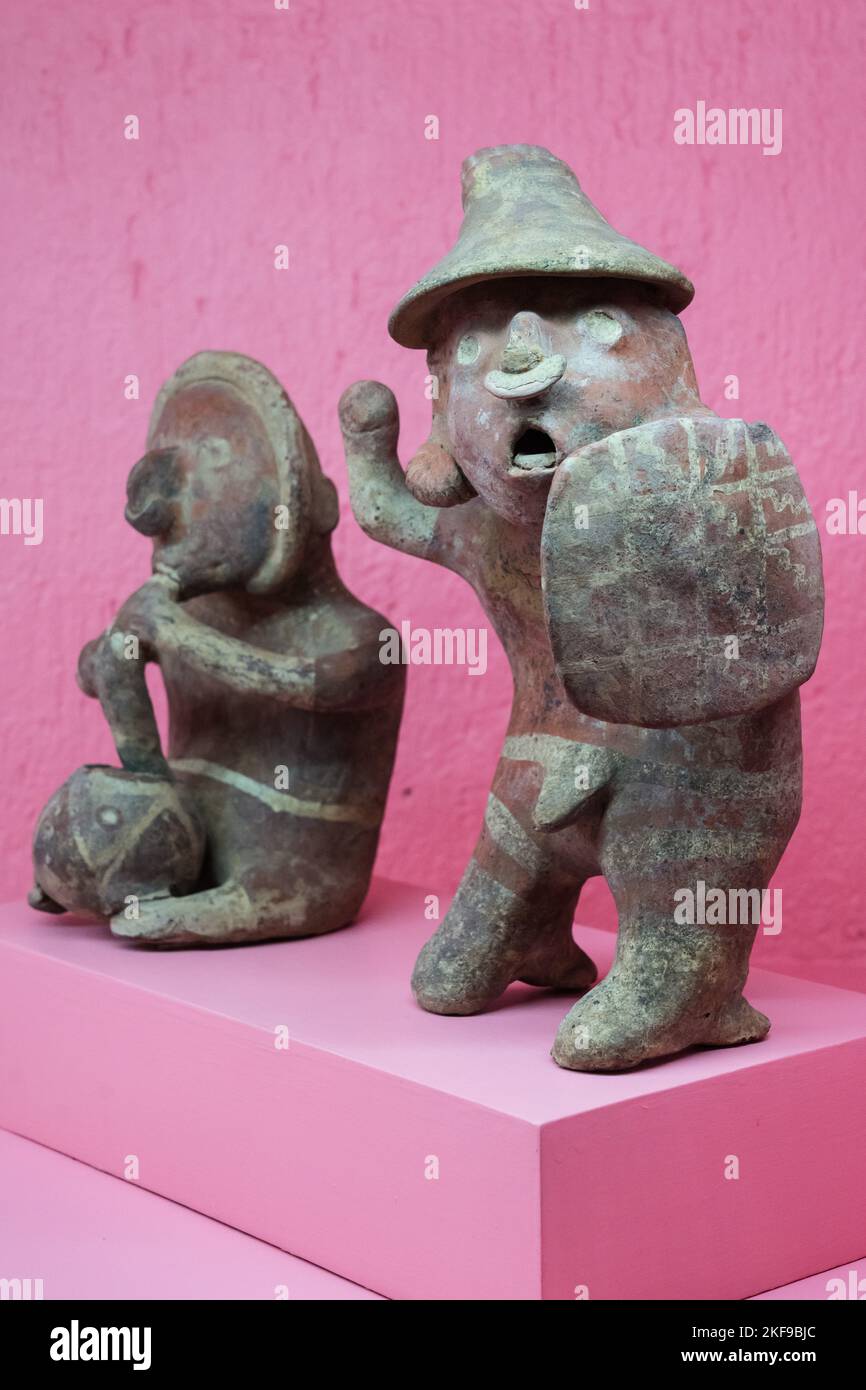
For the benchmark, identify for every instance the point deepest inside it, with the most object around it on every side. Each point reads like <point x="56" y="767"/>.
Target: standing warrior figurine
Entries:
<point x="654" y="574"/>
<point x="264" y="819"/>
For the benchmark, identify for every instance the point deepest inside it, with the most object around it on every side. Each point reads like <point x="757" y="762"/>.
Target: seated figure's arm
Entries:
<point x="112" y="670"/>
<point x="352" y="678"/>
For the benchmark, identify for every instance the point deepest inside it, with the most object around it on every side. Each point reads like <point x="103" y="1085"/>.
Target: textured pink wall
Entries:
<point x="306" y="127"/>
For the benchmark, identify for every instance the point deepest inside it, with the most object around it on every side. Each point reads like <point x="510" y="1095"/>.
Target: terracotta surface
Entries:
<point x="619" y="538"/>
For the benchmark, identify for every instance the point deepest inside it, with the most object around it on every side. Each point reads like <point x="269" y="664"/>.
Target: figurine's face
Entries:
<point x="531" y="369"/>
<point x="205" y="490"/>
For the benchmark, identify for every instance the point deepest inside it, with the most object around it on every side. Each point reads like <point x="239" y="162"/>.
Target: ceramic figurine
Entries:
<point x="263" y="819"/>
<point x="654" y="574"/>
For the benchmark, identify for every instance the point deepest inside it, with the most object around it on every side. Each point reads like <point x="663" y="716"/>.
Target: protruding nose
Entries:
<point x="523" y="348"/>
<point x="526" y="368"/>
<point x="151" y="490"/>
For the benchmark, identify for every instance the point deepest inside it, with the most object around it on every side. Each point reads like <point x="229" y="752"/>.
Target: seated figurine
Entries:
<point x="263" y="820"/>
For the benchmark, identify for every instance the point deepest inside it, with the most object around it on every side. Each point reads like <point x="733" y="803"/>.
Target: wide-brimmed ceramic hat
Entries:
<point x="526" y="214"/>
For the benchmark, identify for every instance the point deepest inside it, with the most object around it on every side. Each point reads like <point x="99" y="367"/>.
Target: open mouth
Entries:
<point x="534" y="452"/>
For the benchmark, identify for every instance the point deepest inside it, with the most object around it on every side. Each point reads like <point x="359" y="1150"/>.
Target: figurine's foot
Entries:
<point x="467" y="984"/>
<point x="42" y="902"/>
<point x="229" y="916"/>
<point x="462" y="981"/>
<point x="737" y="1023"/>
<point x="559" y="964"/>
<point x="492" y="937"/>
<point x="616" y="1027"/>
<point x="219" y="916"/>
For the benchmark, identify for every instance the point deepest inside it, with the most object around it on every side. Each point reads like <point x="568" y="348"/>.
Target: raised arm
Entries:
<point x="383" y="505"/>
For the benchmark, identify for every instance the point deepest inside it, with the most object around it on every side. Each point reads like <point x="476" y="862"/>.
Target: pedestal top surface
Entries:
<point x="348" y="994"/>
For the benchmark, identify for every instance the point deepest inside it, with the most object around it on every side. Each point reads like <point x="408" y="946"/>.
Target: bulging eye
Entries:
<point x="468" y="350"/>
<point x="604" y="328"/>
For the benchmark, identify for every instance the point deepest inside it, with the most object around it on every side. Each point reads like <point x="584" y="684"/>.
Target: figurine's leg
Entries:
<point x="673" y="984"/>
<point x="555" y="961"/>
<point x="510" y="920"/>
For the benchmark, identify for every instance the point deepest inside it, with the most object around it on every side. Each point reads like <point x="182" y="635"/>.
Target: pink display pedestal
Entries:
<point x="428" y="1157"/>
<point x="75" y="1233"/>
<point x="82" y="1234"/>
